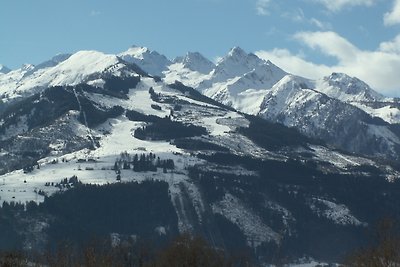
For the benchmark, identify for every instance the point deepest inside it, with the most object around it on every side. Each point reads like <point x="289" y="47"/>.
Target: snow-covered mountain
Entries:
<point x="238" y="80"/>
<point x="355" y="92"/>
<point x="347" y="89"/>
<point x="150" y="61"/>
<point x="241" y="181"/>
<point x="233" y="175"/>
<point x="293" y="103"/>
<point x="238" y="62"/>
<point x="80" y="67"/>
<point x="337" y="109"/>
<point x="242" y="81"/>
<point x="238" y="72"/>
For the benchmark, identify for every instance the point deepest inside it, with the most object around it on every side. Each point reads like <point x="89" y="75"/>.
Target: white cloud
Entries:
<point x="393" y="17"/>
<point x="378" y="68"/>
<point x="391" y="46"/>
<point x="337" y="5"/>
<point x="262" y="7"/>
<point x="330" y="43"/>
<point x="295" y="64"/>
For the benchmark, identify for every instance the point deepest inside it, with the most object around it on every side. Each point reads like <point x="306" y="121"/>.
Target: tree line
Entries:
<point x="142" y="162"/>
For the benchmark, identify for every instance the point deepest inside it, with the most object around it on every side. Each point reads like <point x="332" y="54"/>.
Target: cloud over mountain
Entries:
<point x="378" y="67"/>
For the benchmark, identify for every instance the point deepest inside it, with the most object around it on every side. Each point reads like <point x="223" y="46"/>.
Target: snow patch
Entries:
<point x="338" y="213"/>
<point x="251" y="224"/>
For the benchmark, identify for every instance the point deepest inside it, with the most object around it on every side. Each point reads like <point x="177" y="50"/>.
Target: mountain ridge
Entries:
<point x="240" y="80"/>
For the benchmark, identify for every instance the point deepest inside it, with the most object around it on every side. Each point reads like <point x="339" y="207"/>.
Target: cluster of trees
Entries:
<point x="273" y="136"/>
<point x="154" y="96"/>
<point x="156" y="107"/>
<point x="198" y="144"/>
<point x="143" y="162"/>
<point x="137" y="116"/>
<point x="157" y="97"/>
<point x="95" y="115"/>
<point x="88" y="211"/>
<point x="30" y="167"/>
<point x="65" y="183"/>
<point x="121" y="84"/>
<point x="166" y="129"/>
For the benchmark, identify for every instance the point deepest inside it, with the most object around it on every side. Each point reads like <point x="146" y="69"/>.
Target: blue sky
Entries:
<point x="305" y="37"/>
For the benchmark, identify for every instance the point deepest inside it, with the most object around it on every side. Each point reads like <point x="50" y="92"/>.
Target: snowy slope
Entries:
<point x="71" y="70"/>
<point x="179" y="72"/>
<point x="116" y="136"/>
<point x="387" y="111"/>
<point x="119" y="138"/>
<point x="191" y="70"/>
<point x="150" y="61"/>
<point x="9" y="81"/>
<point x="338" y="213"/>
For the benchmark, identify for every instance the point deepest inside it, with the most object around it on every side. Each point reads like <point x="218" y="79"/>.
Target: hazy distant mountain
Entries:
<point x="4" y="69"/>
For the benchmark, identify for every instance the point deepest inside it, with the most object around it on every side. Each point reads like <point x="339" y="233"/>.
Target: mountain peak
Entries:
<point x="339" y="76"/>
<point x="347" y="88"/>
<point x="150" y="61"/>
<point x="194" y="55"/>
<point x="351" y="85"/>
<point x="136" y="51"/>
<point x="237" y="63"/>
<point x="237" y="52"/>
<point x="4" y="69"/>
<point x="196" y="62"/>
